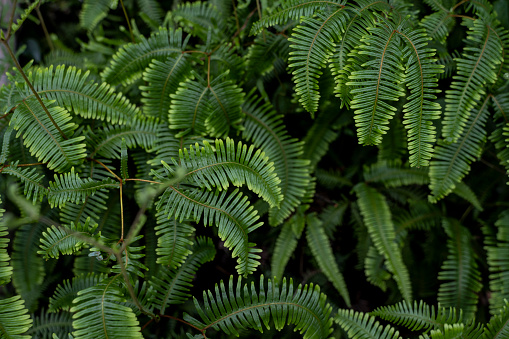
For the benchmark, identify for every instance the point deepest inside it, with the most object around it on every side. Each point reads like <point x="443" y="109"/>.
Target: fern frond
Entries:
<point x="453" y="160"/>
<point x="123" y="159"/>
<point x="131" y="258"/>
<point x="70" y="187"/>
<point x="419" y="215"/>
<point x="230" y="213"/>
<point x="26" y="13"/>
<point x="94" y="11"/>
<point x="476" y="68"/>
<point x="315" y="148"/>
<point x="14" y="320"/>
<point x="363" y="326"/>
<point x="171" y="285"/>
<point x="130" y="61"/>
<point x="197" y="18"/>
<point x="236" y="308"/>
<point x="294" y="10"/>
<point x="98" y="314"/>
<point x="438" y="25"/>
<point x="375" y="269"/>
<point x="93" y="207"/>
<point x="163" y="80"/>
<point x="5" y="268"/>
<point x="42" y="137"/>
<point x="286" y="242"/>
<point x="394" y="174"/>
<point x="265" y="51"/>
<point x="464" y="191"/>
<point x="498" y="326"/>
<point x="377" y="218"/>
<point x="266" y="130"/>
<point x="47" y="324"/>
<point x="462" y="279"/>
<point x="68" y="290"/>
<point x="152" y="9"/>
<point x="31" y="179"/>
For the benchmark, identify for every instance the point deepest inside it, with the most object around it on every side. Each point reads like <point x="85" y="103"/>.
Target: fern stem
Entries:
<point x="143" y="180"/>
<point x="458" y="4"/>
<point x="236" y="20"/>
<point x="106" y="167"/>
<point x="121" y="214"/>
<point x="44" y="28"/>
<point x="501" y="109"/>
<point x="11" y="20"/>
<point x="128" y="23"/>
<point x="185" y="322"/>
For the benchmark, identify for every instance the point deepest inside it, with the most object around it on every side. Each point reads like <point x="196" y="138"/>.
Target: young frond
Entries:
<point x="66" y="292"/>
<point x="322" y="252"/>
<point x="239" y="307"/>
<point x="231" y="213"/>
<point x="498" y="327"/>
<point x="14" y="318"/>
<point x="98" y="313"/>
<point x="5" y="268"/>
<point x="377" y="217"/>
<point x="476" y="69"/>
<point x="94" y="11"/>
<point x="43" y="139"/>
<point x="131" y="60"/>
<point x="171" y="285"/>
<point x="363" y="326"/>
<point x="33" y="188"/>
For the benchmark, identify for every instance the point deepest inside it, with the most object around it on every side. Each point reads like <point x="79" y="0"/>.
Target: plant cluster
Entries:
<point x="148" y="122"/>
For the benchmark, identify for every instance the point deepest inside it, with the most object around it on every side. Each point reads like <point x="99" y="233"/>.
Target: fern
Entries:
<point x="47" y="324"/>
<point x="498" y="325"/>
<point x="31" y="180"/>
<point x="286" y="242"/>
<point x="14" y="320"/>
<point x="94" y="11"/>
<point x="5" y="268"/>
<point x="359" y="325"/>
<point x="66" y="292"/>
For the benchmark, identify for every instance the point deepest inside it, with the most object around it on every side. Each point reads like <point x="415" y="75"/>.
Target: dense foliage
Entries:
<point x="351" y="158"/>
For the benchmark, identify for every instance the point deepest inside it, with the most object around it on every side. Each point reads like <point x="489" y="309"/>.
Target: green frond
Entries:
<point x="419" y="215"/>
<point x="42" y="138"/>
<point x="294" y="10"/>
<point x="313" y="45"/>
<point x="363" y="326"/>
<point x="14" y="318"/>
<point x="31" y="178"/>
<point x="93" y="206"/>
<point x="498" y="326"/>
<point x="266" y="130"/>
<point x="438" y="25"/>
<point x="72" y="89"/>
<point x="460" y="276"/>
<point x="498" y="137"/>
<point x="172" y="285"/>
<point x="418" y="316"/>
<point x="163" y="78"/>
<point x="61" y="240"/>
<point x="5" y="267"/>
<point x="197" y="18"/>
<point x="394" y="174"/>
<point x="286" y="242"/>
<point x="217" y="166"/>
<point x="394" y="144"/>
<point x="5" y="133"/>
<point x="68" y="290"/>
<point x="236" y="307"/>
<point x="98" y="314"/>
<point x="26" y="13"/>
<point x="94" y="11"/>
<point x="331" y="178"/>
<point x="464" y="191"/>
<point x="152" y="9"/>
<point x="123" y="159"/>
<point x="226" y="59"/>
<point x="420" y="109"/>
<point x="70" y="187"/>
<point x="452" y="161"/>
<point x="475" y="69"/>
<point x="450" y="331"/>
<point x="332" y="217"/>
<point x="46" y="324"/>
<point x="129" y="62"/>
<point x="377" y="217"/>
<point x="130" y="258"/>
<point x="87" y="263"/>
<point x="376" y="84"/>
<point x="322" y="252"/>
<point x="265" y="51"/>
<point x="231" y="213"/>
<point x="375" y="269"/>
<point x="108" y="140"/>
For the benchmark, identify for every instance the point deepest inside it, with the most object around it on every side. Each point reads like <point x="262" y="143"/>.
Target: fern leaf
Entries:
<point x="394" y="174"/>
<point x="438" y="25"/>
<point x="498" y="327"/>
<point x="46" y="324"/>
<point x="322" y="252"/>
<point x="464" y="191"/>
<point x="363" y="326"/>
<point x="93" y="207"/>
<point x="197" y="18"/>
<point x="152" y="9"/>
<point x="130" y="258"/>
<point x="462" y="279"/>
<point x="14" y="318"/>
<point x="231" y="214"/>
<point x="266" y="130"/>
<point x="419" y="215"/>
<point x="285" y="245"/>
<point x="99" y="315"/>
<point x="235" y="308"/>
<point x="375" y="269"/>
<point x="172" y="284"/>
<point x="31" y="180"/>
<point x="163" y="80"/>
<point x="476" y="69"/>
<point x="130" y="61"/>
<point x="225" y="102"/>
<point x="42" y="137"/>
<point x="123" y="159"/>
<point x="5" y="268"/>
<point x="453" y="160"/>
<point x="68" y="290"/>
<point x="26" y="13"/>
<point x="70" y="187"/>
<point x="265" y="52"/>
<point x="94" y="11"/>
<point x="377" y="218"/>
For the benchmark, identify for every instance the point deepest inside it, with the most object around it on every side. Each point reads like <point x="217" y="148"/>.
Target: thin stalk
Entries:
<point x="128" y="22"/>
<point x="185" y="322"/>
<point x="103" y="165"/>
<point x="43" y="24"/>
<point x="121" y="214"/>
<point x="11" y="20"/>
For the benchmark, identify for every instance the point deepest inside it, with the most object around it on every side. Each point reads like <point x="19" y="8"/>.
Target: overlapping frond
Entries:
<point x="394" y="173"/>
<point x="92" y="207"/>
<point x="375" y="269"/>
<point x="461" y="279"/>
<point x="420" y="215"/>
<point x="286" y="242"/>
<point x="238" y="307"/>
<point x="360" y="325"/>
<point x="129" y="61"/>
<point x="197" y="18"/>
<point x="498" y="326"/>
<point x="266" y="130"/>
<point x="66" y="292"/>
<point x="131" y="258"/>
<point x="322" y="252"/>
<point x="94" y="11"/>
<point x="152" y="9"/>
<point x="171" y="285"/>
<point x="31" y="179"/>
<point x="225" y="102"/>
<point x="476" y="69"/>
<point x="5" y="268"/>
<point x="43" y="139"/>
<point x="438" y="25"/>
<point x="377" y="218"/>
<point x="231" y="213"/>
<point x="98" y="313"/>
<point x="47" y="324"/>
<point x="14" y="318"/>
<point x="265" y="51"/>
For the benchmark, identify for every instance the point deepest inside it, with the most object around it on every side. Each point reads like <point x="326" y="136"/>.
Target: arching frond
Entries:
<point x="322" y="252"/>
<point x="331" y="178"/>
<point x="171" y="285"/>
<point x="377" y="218"/>
<point x="286" y="242"/>
<point x="98" y="313"/>
<point x="230" y="213"/>
<point x="460" y="275"/>
<point x="33" y="188"/>
<point x="266" y="130"/>
<point x="235" y="308"/>
<point x="438" y="25"/>
<point x="464" y="191"/>
<point x="66" y="292"/>
<point x="498" y="327"/>
<point x="94" y="11"/>
<point x="363" y="326"/>
<point x="394" y="174"/>
<point x="47" y="324"/>
<point x="24" y="15"/>
<point x="92" y="207"/>
<point x="375" y="269"/>
<point x="5" y="268"/>
<point x="476" y="68"/>
<point x="14" y="318"/>
<point x="42" y="137"/>
<point x="130" y="61"/>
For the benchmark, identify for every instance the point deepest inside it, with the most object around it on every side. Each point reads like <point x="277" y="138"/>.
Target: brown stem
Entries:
<point x="43" y="24"/>
<point x="148" y="323"/>
<point x="458" y="4"/>
<point x="143" y="180"/>
<point x="185" y="322"/>
<point x="103" y="165"/>
<point x="127" y="19"/>
<point x="121" y="214"/>
<point x="11" y="20"/>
